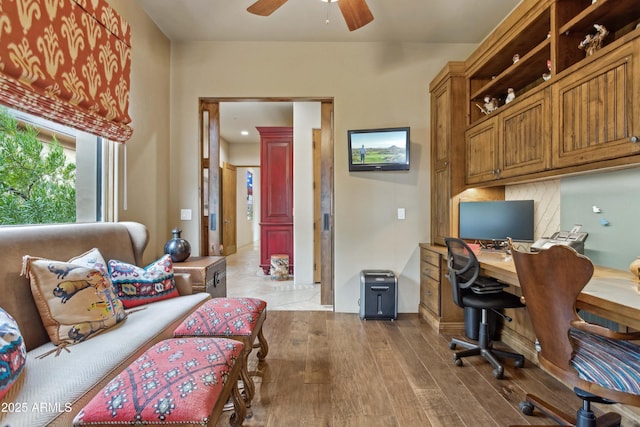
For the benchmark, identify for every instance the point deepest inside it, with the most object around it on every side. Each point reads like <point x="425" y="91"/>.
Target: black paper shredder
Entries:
<point x="378" y="294"/>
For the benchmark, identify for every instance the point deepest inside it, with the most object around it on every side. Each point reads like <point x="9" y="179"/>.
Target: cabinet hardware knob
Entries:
<point x="446" y="163"/>
<point x="634" y="139"/>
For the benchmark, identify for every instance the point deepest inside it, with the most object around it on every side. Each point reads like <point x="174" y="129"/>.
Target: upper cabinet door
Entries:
<point x="482" y="152"/>
<point x="525" y="136"/>
<point x="598" y="109"/>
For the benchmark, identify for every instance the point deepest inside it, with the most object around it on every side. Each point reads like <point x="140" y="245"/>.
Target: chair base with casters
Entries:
<point x="584" y="416"/>
<point x="484" y="348"/>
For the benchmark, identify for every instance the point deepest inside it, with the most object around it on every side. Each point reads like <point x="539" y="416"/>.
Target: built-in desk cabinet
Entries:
<point x="447" y="157"/>
<point x="447" y="153"/>
<point x="436" y="301"/>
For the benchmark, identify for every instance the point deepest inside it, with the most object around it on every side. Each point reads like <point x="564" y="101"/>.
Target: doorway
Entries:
<point x="212" y="224"/>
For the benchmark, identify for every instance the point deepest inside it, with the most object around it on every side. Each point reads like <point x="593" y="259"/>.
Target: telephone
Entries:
<point x="574" y="238"/>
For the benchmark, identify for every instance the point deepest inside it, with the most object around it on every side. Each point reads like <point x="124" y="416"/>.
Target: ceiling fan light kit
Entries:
<point x="356" y="13"/>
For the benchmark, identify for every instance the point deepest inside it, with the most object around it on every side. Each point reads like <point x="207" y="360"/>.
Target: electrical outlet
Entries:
<point x="185" y="214"/>
<point x="401" y="213"/>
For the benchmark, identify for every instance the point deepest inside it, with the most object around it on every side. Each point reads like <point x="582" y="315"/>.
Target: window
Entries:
<point x="52" y="173"/>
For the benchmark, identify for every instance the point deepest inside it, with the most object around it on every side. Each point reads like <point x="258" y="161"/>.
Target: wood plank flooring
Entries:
<point x="333" y="369"/>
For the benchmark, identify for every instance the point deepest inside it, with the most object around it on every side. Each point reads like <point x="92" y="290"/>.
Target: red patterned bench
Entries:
<point x="179" y="381"/>
<point x="239" y="319"/>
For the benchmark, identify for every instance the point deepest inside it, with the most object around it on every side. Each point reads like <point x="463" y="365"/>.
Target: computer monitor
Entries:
<point x="497" y="220"/>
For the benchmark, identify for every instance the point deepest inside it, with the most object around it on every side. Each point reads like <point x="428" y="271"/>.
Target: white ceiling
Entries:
<point x="430" y="21"/>
<point x="236" y="117"/>
<point x="423" y="21"/>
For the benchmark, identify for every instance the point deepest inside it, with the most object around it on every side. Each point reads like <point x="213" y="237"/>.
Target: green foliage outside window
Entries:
<point x="37" y="185"/>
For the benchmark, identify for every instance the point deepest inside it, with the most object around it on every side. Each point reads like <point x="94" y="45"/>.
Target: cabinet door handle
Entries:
<point x="634" y="139"/>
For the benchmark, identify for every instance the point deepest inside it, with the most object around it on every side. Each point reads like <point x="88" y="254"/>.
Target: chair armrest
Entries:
<point x="604" y="332"/>
<point x="183" y="283"/>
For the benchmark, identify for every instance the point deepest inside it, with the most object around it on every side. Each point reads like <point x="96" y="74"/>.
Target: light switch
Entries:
<point x="401" y="213"/>
<point x="185" y="214"/>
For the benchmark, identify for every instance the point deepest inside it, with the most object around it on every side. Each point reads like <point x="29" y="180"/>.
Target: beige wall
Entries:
<point x="148" y="150"/>
<point x="373" y="85"/>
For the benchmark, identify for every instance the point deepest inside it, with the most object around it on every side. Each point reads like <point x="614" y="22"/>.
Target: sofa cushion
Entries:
<point x="76" y="373"/>
<point x="137" y="286"/>
<point x="13" y="353"/>
<point x="75" y="299"/>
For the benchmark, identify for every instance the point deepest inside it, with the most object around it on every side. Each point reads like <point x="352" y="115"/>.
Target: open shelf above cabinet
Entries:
<point x="577" y="18"/>
<point x="501" y="71"/>
<point x="546" y="35"/>
<point x="522" y="74"/>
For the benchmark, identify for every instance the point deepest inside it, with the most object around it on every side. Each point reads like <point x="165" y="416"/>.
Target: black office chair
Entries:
<point x="471" y="290"/>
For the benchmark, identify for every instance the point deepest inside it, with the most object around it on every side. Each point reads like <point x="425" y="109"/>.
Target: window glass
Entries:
<point x="49" y="173"/>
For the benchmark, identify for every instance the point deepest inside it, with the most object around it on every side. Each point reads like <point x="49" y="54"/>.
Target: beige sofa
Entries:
<point x="51" y="390"/>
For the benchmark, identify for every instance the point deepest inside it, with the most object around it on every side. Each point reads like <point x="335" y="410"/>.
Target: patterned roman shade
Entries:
<point x="68" y="61"/>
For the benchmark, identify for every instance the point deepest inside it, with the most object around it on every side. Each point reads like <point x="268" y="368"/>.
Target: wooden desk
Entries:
<point x="611" y="294"/>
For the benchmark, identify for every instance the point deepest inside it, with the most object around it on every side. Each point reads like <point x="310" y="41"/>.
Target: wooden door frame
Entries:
<point x="317" y="212"/>
<point x="228" y="248"/>
<point x="326" y="181"/>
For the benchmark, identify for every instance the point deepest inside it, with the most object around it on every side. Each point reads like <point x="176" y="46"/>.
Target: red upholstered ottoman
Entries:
<point x="180" y="382"/>
<point x="236" y="318"/>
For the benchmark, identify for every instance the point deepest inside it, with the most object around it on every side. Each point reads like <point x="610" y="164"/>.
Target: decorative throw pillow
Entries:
<point x="137" y="286"/>
<point x="76" y="298"/>
<point x="13" y="352"/>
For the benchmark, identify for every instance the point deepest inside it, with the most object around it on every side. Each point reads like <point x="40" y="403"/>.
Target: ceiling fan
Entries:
<point x="356" y="13"/>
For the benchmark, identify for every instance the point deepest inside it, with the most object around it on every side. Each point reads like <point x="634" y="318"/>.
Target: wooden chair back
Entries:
<point x="551" y="281"/>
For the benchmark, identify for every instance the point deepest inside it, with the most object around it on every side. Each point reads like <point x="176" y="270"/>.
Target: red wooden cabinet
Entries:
<point x="276" y="194"/>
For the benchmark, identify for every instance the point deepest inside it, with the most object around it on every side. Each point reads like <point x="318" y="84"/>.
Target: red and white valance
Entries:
<point x="68" y="61"/>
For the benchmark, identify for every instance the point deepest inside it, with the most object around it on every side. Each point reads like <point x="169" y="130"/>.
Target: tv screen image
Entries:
<point x="497" y="220"/>
<point x="379" y="149"/>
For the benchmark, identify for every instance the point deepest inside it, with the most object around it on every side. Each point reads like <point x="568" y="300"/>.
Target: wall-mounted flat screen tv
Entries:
<point x="497" y="220"/>
<point x="379" y="149"/>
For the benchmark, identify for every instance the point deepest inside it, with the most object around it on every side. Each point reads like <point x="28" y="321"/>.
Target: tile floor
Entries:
<point x="246" y="279"/>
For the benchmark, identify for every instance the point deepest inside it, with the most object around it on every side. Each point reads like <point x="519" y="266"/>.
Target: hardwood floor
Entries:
<point x="333" y="369"/>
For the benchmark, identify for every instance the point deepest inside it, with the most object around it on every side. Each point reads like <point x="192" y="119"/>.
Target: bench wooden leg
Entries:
<point x="262" y="345"/>
<point x="239" y="407"/>
<point x="249" y="385"/>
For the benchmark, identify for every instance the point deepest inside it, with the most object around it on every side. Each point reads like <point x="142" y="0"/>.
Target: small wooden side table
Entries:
<point x="208" y="274"/>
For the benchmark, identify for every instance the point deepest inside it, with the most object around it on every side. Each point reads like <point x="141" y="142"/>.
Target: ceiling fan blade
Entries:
<point x="356" y="13"/>
<point x="265" y="7"/>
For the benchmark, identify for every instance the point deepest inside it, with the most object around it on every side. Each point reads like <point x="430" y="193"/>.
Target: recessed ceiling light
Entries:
<point x="244" y="132"/>
<point x="330" y="1"/>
